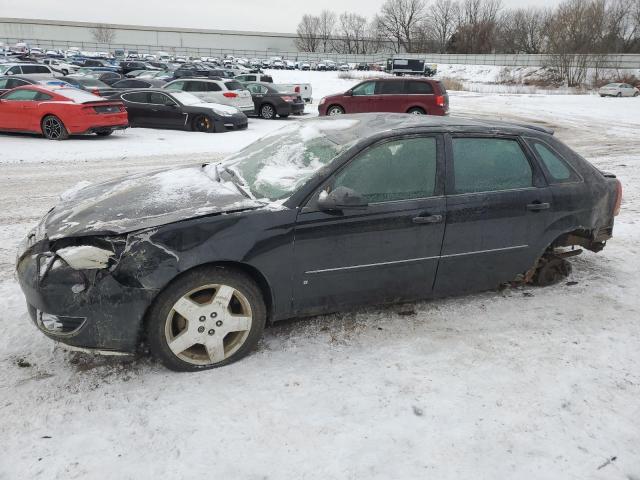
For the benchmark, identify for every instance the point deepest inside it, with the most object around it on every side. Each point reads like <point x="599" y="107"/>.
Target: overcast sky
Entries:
<point x="261" y="15"/>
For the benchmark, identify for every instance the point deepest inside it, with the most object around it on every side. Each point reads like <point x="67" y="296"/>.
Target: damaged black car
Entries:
<point x="321" y="216"/>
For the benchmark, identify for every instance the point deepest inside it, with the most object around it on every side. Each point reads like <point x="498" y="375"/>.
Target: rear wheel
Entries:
<point x="207" y="318"/>
<point x="619" y="94"/>
<point x="335" y="110"/>
<point x="53" y="128"/>
<point x="267" y="111"/>
<point x="202" y="123"/>
<point x="636" y="94"/>
<point x="416" y="111"/>
<point x="551" y="270"/>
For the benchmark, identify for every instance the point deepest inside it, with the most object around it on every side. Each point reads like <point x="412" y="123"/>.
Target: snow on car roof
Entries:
<point x="76" y="95"/>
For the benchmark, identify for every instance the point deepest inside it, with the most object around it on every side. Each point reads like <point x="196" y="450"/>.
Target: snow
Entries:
<point x="531" y="383"/>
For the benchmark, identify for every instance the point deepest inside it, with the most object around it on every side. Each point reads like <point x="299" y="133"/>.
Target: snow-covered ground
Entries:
<point x="533" y="383"/>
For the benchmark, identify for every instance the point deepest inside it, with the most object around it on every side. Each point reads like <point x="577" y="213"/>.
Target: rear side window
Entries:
<point x="398" y="170"/>
<point x="176" y="86"/>
<point x="419" y="88"/>
<point x="213" y="87"/>
<point x="136" y="97"/>
<point x="196" y="87"/>
<point x="233" y="85"/>
<point x="21" y="95"/>
<point x="489" y="164"/>
<point x="391" y="88"/>
<point x="557" y="169"/>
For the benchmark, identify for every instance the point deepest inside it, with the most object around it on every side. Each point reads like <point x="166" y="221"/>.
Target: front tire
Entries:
<point x="267" y="111"/>
<point x="203" y="123"/>
<point x="207" y="318"/>
<point x="53" y="128"/>
<point x="334" y="110"/>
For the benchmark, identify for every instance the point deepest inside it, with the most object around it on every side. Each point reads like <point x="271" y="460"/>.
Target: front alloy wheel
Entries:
<point x="335" y="110"/>
<point x="207" y="318"/>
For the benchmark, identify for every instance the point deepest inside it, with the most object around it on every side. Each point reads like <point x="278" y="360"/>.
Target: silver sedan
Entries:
<point x="618" y="90"/>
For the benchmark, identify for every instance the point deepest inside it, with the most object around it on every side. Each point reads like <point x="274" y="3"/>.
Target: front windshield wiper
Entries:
<point x="225" y="174"/>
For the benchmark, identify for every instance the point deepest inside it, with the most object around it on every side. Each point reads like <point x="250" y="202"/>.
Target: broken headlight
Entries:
<point x="86" y="257"/>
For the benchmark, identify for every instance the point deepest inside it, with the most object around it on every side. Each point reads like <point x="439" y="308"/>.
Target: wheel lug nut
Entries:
<point x="219" y="323"/>
<point x="212" y="331"/>
<point x="200" y="329"/>
<point x="203" y="318"/>
<point x="214" y="314"/>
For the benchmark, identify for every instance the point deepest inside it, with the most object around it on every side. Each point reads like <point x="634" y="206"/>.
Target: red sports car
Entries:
<point x="59" y="111"/>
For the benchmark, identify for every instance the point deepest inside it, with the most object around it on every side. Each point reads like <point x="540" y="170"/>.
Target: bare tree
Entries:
<point x="326" y="28"/>
<point x="308" y="34"/>
<point x="477" y="26"/>
<point x="523" y="30"/>
<point x="352" y="34"/>
<point x="400" y="20"/>
<point x="102" y="33"/>
<point x="442" y="21"/>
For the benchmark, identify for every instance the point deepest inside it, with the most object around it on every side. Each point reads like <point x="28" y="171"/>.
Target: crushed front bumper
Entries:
<point x="82" y="309"/>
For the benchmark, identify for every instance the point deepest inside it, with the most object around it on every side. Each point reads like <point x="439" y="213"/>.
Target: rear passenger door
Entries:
<point x="498" y="207"/>
<point x="390" y="96"/>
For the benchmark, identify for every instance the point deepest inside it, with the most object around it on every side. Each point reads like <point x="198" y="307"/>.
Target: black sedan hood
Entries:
<point x="143" y="201"/>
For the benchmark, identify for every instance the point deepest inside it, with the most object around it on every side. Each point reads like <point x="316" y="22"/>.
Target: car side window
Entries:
<point x="489" y="164"/>
<point x="14" y="70"/>
<point x="156" y="98"/>
<point x="414" y="87"/>
<point x="397" y="170"/>
<point x="555" y="165"/>
<point x="43" y="97"/>
<point x="176" y="86"/>
<point x="391" y="87"/>
<point x="136" y="97"/>
<point x="21" y="95"/>
<point x="192" y="86"/>
<point x="4" y="82"/>
<point x="367" y="88"/>
<point x="213" y="87"/>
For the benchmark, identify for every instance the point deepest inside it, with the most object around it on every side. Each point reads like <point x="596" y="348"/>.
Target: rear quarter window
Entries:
<point x="233" y="85"/>
<point x="556" y="168"/>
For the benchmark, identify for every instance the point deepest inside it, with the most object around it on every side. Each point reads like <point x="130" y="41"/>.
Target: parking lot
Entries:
<point x="527" y="382"/>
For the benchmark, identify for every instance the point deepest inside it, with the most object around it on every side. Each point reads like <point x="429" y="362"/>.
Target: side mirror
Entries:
<point x="342" y="198"/>
<point x="348" y="93"/>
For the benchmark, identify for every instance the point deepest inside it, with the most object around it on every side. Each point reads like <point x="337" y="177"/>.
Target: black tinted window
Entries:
<point x="419" y="88"/>
<point x="138" y="97"/>
<point x="489" y="164"/>
<point x="233" y="85"/>
<point x="397" y="170"/>
<point x="394" y="87"/>
<point x="160" y="99"/>
<point x="213" y="87"/>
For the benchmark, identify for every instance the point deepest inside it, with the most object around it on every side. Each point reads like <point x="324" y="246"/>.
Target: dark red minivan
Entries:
<point x="419" y="96"/>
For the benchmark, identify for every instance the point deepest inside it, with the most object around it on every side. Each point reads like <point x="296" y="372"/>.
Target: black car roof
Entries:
<point x="371" y="124"/>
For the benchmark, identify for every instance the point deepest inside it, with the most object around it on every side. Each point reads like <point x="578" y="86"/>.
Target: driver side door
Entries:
<point x="386" y="252"/>
<point x="164" y="112"/>
<point x="361" y="98"/>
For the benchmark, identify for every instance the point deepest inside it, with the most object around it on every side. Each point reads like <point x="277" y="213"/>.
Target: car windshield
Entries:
<point x="4" y="68"/>
<point x="278" y="164"/>
<point x="186" y="98"/>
